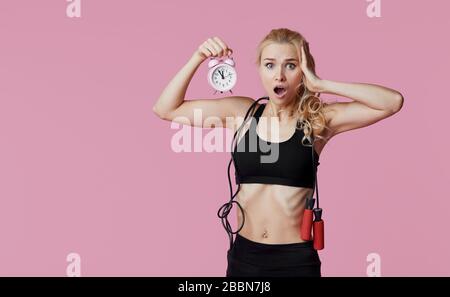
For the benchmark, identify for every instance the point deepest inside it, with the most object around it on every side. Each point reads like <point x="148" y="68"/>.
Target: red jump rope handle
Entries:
<point x="318" y="230"/>
<point x="307" y="222"/>
<point x="318" y="235"/>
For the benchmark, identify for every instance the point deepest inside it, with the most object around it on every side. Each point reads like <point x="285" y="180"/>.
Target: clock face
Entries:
<point x="223" y="78"/>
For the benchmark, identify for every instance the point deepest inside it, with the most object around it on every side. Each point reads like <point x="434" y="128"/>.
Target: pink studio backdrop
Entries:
<point x="86" y="167"/>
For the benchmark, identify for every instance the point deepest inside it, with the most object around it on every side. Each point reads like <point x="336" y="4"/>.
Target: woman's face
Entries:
<point x="280" y="72"/>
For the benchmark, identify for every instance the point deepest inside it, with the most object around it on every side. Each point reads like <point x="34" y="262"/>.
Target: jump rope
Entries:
<point x="312" y="216"/>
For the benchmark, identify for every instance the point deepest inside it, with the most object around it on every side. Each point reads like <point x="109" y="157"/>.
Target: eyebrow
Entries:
<point x="290" y="59"/>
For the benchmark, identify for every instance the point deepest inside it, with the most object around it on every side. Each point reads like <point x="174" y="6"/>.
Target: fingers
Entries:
<point x="214" y="47"/>
<point x="224" y="47"/>
<point x="204" y="51"/>
<point x="303" y="55"/>
<point x="304" y="62"/>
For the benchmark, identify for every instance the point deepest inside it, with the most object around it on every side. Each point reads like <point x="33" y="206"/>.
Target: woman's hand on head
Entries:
<point x="213" y="47"/>
<point x="311" y="81"/>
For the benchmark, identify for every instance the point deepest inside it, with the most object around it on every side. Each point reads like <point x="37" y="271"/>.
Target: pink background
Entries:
<point x="86" y="167"/>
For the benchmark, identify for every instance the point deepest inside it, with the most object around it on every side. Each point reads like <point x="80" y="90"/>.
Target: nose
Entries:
<point x="279" y="74"/>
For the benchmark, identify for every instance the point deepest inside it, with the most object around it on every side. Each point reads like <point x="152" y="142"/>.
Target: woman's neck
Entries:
<point x="282" y="112"/>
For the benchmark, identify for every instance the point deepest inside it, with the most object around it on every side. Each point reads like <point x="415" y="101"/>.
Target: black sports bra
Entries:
<point x="296" y="165"/>
<point x="264" y="162"/>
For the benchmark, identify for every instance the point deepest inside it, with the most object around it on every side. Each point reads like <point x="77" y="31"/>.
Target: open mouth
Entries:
<point x="280" y="91"/>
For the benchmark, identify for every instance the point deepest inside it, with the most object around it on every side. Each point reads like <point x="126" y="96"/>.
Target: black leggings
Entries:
<point x="250" y="258"/>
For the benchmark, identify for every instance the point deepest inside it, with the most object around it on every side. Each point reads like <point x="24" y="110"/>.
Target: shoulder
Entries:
<point x="240" y="107"/>
<point x="242" y="104"/>
<point x="329" y="111"/>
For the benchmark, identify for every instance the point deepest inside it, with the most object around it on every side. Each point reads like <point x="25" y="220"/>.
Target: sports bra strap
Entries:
<point x="259" y="112"/>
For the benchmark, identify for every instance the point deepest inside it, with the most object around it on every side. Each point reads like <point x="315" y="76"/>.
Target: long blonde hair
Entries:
<point x="310" y="107"/>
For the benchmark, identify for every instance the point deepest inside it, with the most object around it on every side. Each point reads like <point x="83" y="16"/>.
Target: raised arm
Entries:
<point x="172" y="106"/>
<point x="371" y="103"/>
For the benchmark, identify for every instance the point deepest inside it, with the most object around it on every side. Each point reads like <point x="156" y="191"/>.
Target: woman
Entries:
<point x="272" y="195"/>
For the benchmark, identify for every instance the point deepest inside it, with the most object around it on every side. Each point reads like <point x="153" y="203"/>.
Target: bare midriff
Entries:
<point x="273" y="213"/>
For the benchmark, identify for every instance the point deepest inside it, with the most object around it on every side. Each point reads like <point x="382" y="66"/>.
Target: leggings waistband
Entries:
<point x="263" y="254"/>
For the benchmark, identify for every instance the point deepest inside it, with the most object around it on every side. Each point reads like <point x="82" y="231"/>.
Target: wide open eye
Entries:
<point x="294" y="66"/>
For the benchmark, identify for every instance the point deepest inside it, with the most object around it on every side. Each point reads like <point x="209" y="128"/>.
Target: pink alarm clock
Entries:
<point x="222" y="74"/>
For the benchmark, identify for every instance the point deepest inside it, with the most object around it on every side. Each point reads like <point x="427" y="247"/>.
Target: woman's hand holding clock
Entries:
<point x="213" y="47"/>
<point x="221" y="75"/>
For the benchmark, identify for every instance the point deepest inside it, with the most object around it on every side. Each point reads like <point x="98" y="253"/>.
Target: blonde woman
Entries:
<point x="294" y="122"/>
